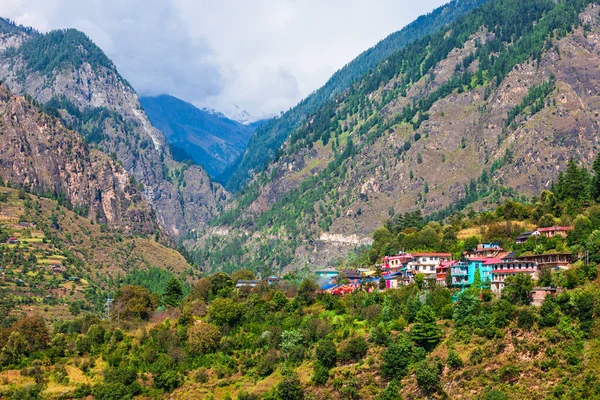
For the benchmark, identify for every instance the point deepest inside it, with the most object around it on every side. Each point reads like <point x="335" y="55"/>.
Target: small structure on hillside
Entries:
<point x="538" y="294"/>
<point x="525" y="236"/>
<point x="555" y="261"/>
<point x="554" y="231"/>
<point x="273" y="280"/>
<point x="246" y="283"/>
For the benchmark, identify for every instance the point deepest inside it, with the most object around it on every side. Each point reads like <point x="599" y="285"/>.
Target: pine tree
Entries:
<point x="173" y="293"/>
<point x="425" y="331"/>
<point x="477" y="279"/>
<point x="595" y="189"/>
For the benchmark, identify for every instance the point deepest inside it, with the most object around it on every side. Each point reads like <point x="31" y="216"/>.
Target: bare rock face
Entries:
<point x="39" y="153"/>
<point x="86" y="90"/>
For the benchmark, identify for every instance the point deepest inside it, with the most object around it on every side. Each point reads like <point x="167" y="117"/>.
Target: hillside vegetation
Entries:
<point x="473" y="114"/>
<point x="264" y="145"/>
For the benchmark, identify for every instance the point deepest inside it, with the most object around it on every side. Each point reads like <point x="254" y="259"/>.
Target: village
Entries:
<point x="490" y="261"/>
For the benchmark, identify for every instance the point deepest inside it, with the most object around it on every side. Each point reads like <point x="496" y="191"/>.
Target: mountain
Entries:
<point x="38" y="153"/>
<point x="73" y="79"/>
<point x="210" y="139"/>
<point x="491" y="106"/>
<point x="265" y="143"/>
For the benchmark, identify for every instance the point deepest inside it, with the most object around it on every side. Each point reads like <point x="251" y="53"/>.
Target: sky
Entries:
<point x="262" y="56"/>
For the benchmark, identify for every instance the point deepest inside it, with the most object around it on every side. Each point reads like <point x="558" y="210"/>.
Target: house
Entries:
<point x="538" y="294"/>
<point x="485" y="250"/>
<point x="12" y="240"/>
<point x="555" y="261"/>
<point x="426" y="263"/>
<point x="393" y="280"/>
<point x="354" y="277"/>
<point x="396" y="262"/>
<point x="463" y="273"/>
<point x="273" y="280"/>
<point x="526" y="235"/>
<point x="441" y="270"/>
<point x="554" y="231"/>
<point x="24" y="224"/>
<point x="327" y="273"/>
<point x="506" y="267"/>
<point x="246" y="283"/>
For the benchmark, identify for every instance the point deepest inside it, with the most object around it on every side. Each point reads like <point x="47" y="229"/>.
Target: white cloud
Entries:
<point x="264" y="55"/>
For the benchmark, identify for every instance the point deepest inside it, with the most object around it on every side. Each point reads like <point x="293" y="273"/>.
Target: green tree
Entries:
<point x="397" y="358"/>
<point x="428" y="376"/>
<point x="448" y="278"/>
<point x="420" y="281"/>
<point x="425" y="331"/>
<point x="290" y="388"/>
<point x="203" y="337"/>
<point x="133" y="303"/>
<point x="326" y="353"/>
<point x="517" y="288"/>
<point x="307" y="292"/>
<point x="173" y="293"/>
<point x="224" y="311"/>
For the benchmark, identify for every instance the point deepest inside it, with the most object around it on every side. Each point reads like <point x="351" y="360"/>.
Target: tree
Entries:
<point x="397" y="358"/>
<point x="224" y="311"/>
<point x="477" y="280"/>
<point x="517" y="288"/>
<point x="466" y="307"/>
<point x="290" y="388"/>
<point x="203" y="337"/>
<point x="355" y="350"/>
<point x="420" y="281"/>
<point x="133" y="303"/>
<point x="173" y="293"/>
<point x="307" y="292"/>
<point x="425" y="331"/>
<point x="428" y="376"/>
<point x="448" y="278"/>
<point x="326" y="353"/>
<point x="391" y="392"/>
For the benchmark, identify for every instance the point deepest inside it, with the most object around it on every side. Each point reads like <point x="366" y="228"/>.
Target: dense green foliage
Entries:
<point x="60" y="49"/>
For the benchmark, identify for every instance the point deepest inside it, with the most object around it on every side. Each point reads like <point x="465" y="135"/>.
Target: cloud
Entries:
<point x="263" y="55"/>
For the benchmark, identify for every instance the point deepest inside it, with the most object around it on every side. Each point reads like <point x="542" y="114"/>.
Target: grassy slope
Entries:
<point x="86" y="249"/>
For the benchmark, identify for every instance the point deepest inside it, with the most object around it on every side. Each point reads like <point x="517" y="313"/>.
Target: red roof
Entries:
<point x="493" y="261"/>
<point x="556" y="229"/>
<point x="432" y="254"/>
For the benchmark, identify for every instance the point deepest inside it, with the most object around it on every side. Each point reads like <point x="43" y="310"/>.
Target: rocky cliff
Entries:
<point x="73" y="78"/>
<point x="37" y="152"/>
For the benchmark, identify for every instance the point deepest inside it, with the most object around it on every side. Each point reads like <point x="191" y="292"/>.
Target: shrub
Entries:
<point x="379" y="335"/>
<point x="290" y="389"/>
<point x="267" y="363"/>
<point x="428" y="376"/>
<point x="476" y="356"/>
<point x="525" y="319"/>
<point x="320" y="374"/>
<point x="326" y="353"/>
<point x="391" y="392"/>
<point x="203" y="337"/>
<point x="454" y="361"/>
<point x="168" y="381"/>
<point x="397" y="358"/>
<point x="355" y="350"/>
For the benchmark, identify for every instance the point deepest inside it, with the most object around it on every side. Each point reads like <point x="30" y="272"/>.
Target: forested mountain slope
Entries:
<point x="211" y="140"/>
<point x="495" y="103"/>
<point x="265" y="143"/>
<point x="67" y="73"/>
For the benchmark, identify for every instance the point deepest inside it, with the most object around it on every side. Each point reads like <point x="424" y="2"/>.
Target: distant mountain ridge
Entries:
<point x="207" y="136"/>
